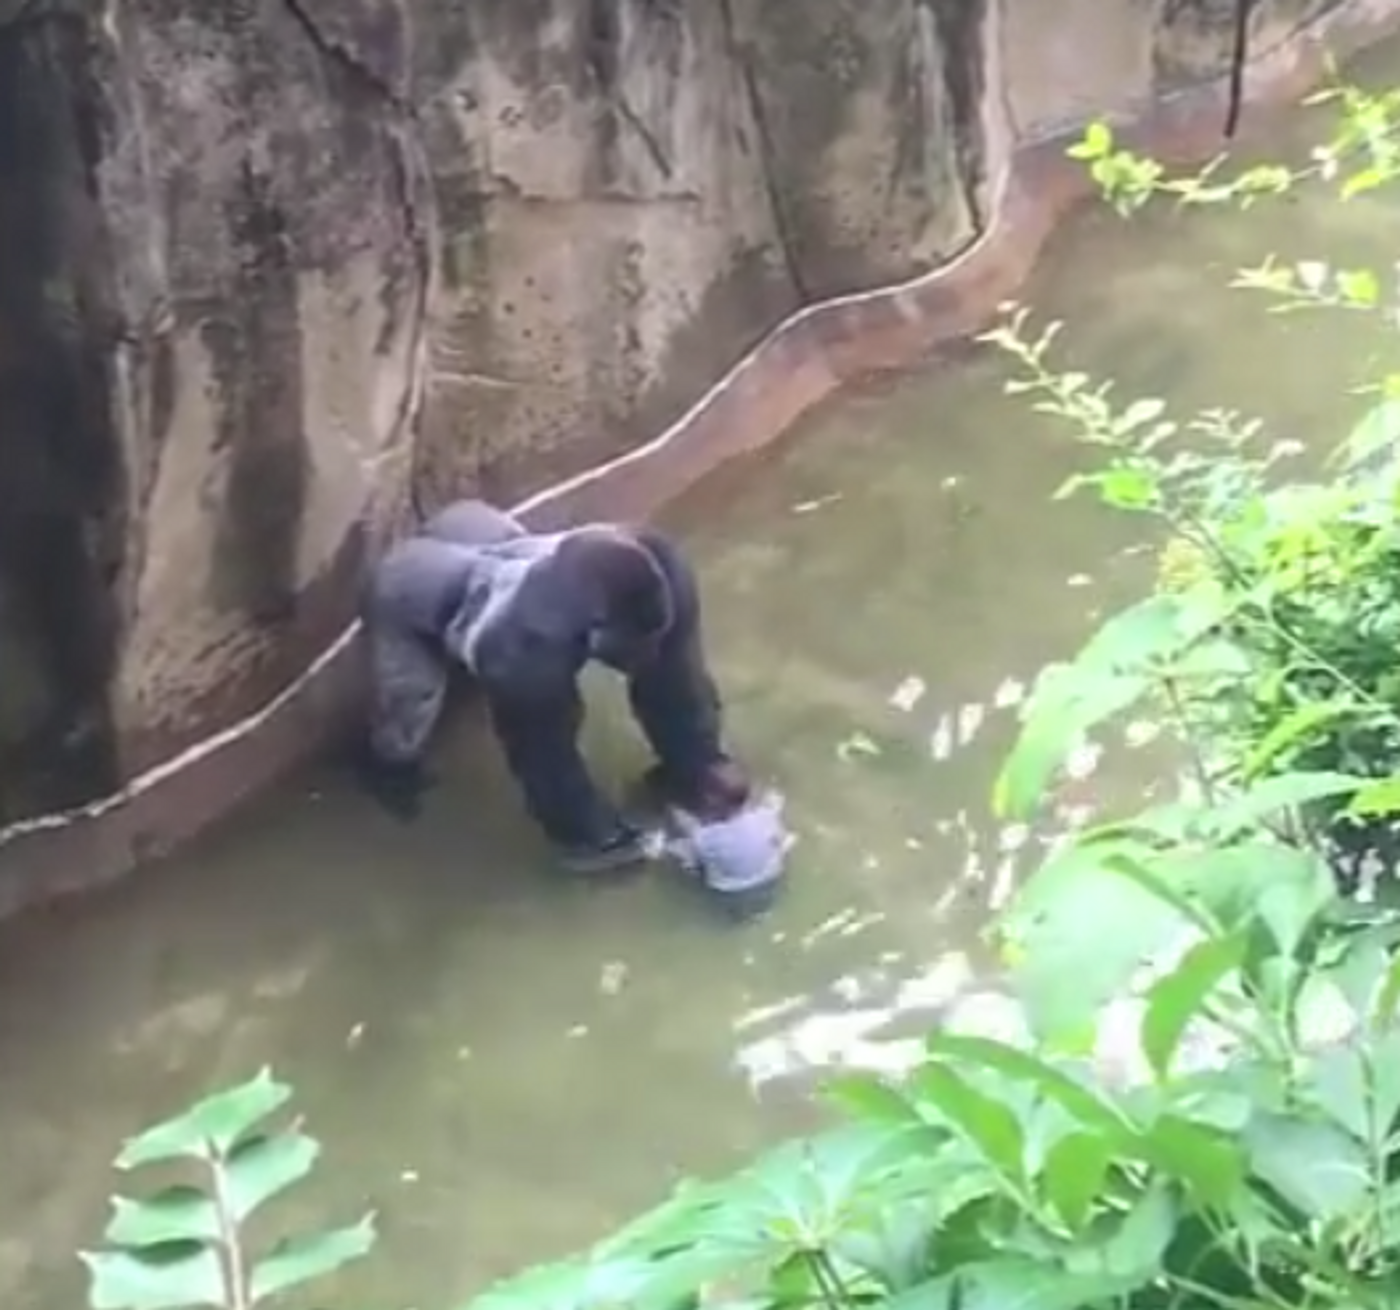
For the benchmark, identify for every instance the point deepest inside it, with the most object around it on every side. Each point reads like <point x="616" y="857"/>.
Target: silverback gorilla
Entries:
<point x="524" y="613"/>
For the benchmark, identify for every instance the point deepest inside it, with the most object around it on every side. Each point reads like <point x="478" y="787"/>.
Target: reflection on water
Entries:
<point x="506" y="1064"/>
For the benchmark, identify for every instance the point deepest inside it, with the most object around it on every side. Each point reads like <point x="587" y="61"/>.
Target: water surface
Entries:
<point x="506" y="1064"/>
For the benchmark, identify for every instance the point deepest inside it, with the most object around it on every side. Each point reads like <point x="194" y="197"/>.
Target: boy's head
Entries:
<point x="721" y="791"/>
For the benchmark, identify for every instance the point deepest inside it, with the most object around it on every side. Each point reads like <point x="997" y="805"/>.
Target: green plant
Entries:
<point x="1271" y="645"/>
<point x="186" y="1243"/>
<point x="1255" y="1166"/>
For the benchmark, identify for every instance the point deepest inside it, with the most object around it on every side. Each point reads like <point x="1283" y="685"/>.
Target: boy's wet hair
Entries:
<point x="724" y="789"/>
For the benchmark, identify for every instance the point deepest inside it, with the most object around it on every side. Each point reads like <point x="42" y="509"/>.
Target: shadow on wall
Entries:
<point x="62" y="495"/>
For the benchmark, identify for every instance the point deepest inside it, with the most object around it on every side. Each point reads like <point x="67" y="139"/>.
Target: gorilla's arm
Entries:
<point x="536" y="710"/>
<point x="673" y="695"/>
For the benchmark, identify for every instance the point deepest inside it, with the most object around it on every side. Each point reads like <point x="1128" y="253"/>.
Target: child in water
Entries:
<point x="734" y="842"/>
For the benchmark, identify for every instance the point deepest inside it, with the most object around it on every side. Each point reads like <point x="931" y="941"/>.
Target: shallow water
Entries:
<point x="505" y="1064"/>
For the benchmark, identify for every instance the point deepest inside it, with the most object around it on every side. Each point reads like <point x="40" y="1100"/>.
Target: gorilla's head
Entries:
<point x="630" y="599"/>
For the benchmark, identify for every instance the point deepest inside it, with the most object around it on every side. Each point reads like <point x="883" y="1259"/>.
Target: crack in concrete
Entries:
<point x="343" y="55"/>
<point x="782" y="225"/>
<point x="1239" y="59"/>
<point x="648" y="138"/>
<point x="963" y="45"/>
<point x="410" y="164"/>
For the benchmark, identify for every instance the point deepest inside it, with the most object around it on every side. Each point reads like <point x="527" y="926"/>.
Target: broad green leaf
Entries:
<point x="1153" y="633"/>
<point x="939" y="1293"/>
<point x="1378" y="431"/>
<point x="1314" y="1165"/>
<point x="1011" y="1283"/>
<point x="1377" y="798"/>
<point x="1179" y="997"/>
<point x="673" y="1224"/>
<point x="1081" y="934"/>
<point x="1292" y="729"/>
<point x="678" y="1281"/>
<point x="793" y="1281"/>
<point x="1339" y="1088"/>
<point x="1123" y="487"/>
<point x="1210" y="661"/>
<point x="1383" y="1012"/>
<point x="1214" y="1098"/>
<point x="300" y="1259"/>
<point x="1122" y="661"/>
<point x="984" y="1122"/>
<point x="800" y="1197"/>
<point x="1242" y="884"/>
<point x="1147" y="874"/>
<point x="666" y="1224"/>
<point x="259" y="1168"/>
<point x="892" y="1246"/>
<point x="1366" y="179"/>
<point x="581" y="1283"/>
<point x="871" y="1099"/>
<point x="1298" y="888"/>
<point x="1054" y="724"/>
<point x="1358" y="1086"/>
<point x="1086" y="1105"/>
<point x="1234" y="815"/>
<point x="1359" y="972"/>
<point x="1096" y="142"/>
<point x="556" y="1286"/>
<point x="1132" y="1254"/>
<point x="162" y="1277"/>
<point x="210" y="1126"/>
<point x="1210" y="1163"/>
<point x="845" y="1163"/>
<point x="179" y="1213"/>
<point x="1073" y="1176"/>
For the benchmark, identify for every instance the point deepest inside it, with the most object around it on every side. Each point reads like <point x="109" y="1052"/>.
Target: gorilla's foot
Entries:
<point x="628" y="850"/>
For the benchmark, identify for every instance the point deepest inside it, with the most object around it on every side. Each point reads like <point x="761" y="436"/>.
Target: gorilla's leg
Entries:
<point x="674" y="698"/>
<point x="472" y="523"/>
<point x="539" y="738"/>
<point x="408" y="682"/>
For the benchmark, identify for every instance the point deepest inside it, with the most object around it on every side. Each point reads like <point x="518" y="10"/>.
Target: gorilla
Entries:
<point x="523" y="613"/>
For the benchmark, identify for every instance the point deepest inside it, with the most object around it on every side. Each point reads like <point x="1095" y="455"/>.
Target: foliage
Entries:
<point x="996" y="1177"/>
<point x="1270" y="646"/>
<point x="1254" y="1160"/>
<point x="186" y="1243"/>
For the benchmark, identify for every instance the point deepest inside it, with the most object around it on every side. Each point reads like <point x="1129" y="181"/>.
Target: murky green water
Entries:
<point x="506" y="1064"/>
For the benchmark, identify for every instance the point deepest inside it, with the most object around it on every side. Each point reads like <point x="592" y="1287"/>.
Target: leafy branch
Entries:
<point x="184" y="1244"/>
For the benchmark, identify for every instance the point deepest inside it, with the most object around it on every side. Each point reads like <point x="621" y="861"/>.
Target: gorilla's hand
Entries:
<point x="398" y="788"/>
<point x="719" y="791"/>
